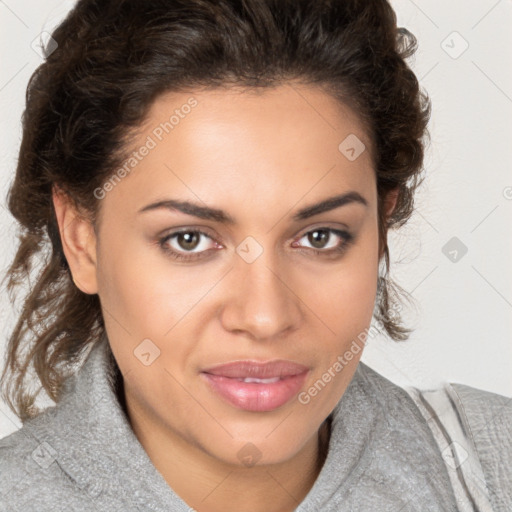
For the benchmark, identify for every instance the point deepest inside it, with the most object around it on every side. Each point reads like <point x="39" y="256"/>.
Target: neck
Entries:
<point x="209" y="485"/>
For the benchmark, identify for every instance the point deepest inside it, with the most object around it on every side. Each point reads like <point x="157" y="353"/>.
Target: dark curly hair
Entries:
<point x="114" y="58"/>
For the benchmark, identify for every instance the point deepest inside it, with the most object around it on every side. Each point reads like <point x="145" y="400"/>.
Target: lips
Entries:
<point x="247" y="369"/>
<point x="255" y="386"/>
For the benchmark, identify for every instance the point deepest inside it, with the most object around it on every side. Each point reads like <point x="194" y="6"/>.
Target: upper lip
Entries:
<point x="257" y="370"/>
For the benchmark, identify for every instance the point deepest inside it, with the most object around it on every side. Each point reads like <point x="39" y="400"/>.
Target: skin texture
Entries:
<point x="259" y="157"/>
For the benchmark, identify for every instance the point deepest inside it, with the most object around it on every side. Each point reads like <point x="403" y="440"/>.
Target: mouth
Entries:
<point x="255" y="386"/>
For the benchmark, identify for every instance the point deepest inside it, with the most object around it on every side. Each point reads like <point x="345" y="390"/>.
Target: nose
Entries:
<point x="261" y="301"/>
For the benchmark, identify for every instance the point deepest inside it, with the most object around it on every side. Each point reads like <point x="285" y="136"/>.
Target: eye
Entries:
<point x="191" y="244"/>
<point x="187" y="244"/>
<point x="324" y="240"/>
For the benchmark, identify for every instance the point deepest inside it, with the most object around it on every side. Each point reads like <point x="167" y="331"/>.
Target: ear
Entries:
<point x="389" y="205"/>
<point x="390" y="201"/>
<point x="78" y="242"/>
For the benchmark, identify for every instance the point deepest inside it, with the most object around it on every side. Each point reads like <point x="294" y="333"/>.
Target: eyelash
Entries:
<point x="345" y="235"/>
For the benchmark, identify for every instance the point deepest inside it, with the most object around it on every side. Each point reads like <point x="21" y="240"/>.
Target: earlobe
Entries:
<point x="389" y="206"/>
<point x="391" y="200"/>
<point x="78" y="242"/>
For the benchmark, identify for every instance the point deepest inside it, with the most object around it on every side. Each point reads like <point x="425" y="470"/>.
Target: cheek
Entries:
<point x="344" y="295"/>
<point x="149" y="293"/>
<point x="131" y="286"/>
<point x="143" y="290"/>
<point x="344" y="302"/>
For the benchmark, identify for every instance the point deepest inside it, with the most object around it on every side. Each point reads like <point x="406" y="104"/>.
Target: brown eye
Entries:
<point x="188" y="240"/>
<point x="324" y="240"/>
<point x="187" y="244"/>
<point x="318" y="238"/>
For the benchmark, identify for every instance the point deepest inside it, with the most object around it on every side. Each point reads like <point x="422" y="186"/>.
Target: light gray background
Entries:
<point x="464" y="321"/>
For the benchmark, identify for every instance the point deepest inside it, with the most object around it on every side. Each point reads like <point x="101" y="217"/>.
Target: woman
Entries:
<point x="211" y="183"/>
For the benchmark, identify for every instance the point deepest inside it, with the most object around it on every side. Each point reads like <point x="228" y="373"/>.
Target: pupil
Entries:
<point x="318" y="241"/>
<point x="191" y="240"/>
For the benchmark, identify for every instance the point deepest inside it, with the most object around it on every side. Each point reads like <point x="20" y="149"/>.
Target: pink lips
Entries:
<point x="270" y="385"/>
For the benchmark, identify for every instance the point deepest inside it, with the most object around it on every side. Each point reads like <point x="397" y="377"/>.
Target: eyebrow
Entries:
<point x="216" y="215"/>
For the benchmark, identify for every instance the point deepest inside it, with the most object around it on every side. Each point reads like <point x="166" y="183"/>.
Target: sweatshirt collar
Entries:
<point x="381" y="451"/>
<point x="92" y="440"/>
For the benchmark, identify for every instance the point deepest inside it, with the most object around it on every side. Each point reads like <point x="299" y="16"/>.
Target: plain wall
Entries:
<point x="463" y="324"/>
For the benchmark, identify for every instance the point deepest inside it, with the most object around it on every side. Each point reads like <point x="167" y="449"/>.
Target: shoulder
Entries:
<point x="488" y="417"/>
<point x="473" y="429"/>
<point x="15" y="465"/>
<point x="30" y="474"/>
<point x="488" y="412"/>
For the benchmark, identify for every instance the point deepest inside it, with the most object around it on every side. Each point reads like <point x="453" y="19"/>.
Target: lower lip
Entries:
<point x="253" y="396"/>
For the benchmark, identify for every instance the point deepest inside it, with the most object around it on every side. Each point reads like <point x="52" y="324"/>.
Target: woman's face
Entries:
<point x="288" y="277"/>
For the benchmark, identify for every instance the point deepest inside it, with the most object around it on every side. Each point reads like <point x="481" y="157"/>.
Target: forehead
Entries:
<point x="287" y="106"/>
<point x="223" y="145"/>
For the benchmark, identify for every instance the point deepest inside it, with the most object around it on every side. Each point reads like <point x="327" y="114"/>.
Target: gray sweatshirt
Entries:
<point x="390" y="449"/>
